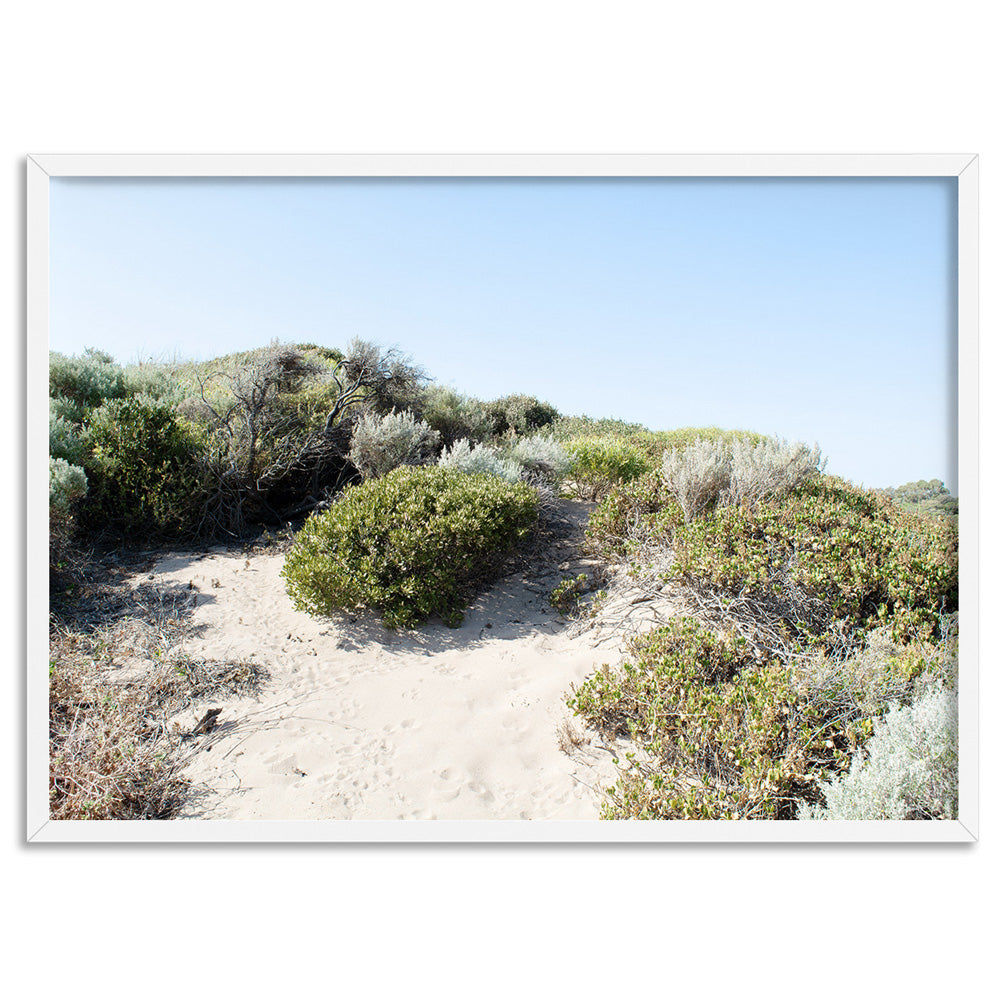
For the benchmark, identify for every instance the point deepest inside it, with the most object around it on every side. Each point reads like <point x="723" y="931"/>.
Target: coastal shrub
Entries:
<point x="67" y="440"/>
<point x="600" y="463"/>
<point x="412" y="544"/>
<point x="381" y="443"/>
<point x="455" y="416"/>
<point x="566" y="428"/>
<point x="464" y="456"/>
<point x="768" y="468"/>
<point x="144" y="468"/>
<point x="697" y="476"/>
<point x="850" y="550"/>
<point x="85" y="382"/>
<point x="67" y="485"/>
<point x="641" y="510"/>
<point x="716" y="734"/>
<point x="541" y="457"/>
<point x="519" y="414"/>
<point x="909" y="769"/>
<point x="736" y="470"/>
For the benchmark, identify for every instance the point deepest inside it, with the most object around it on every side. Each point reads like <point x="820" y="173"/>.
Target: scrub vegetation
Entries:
<point x="810" y="672"/>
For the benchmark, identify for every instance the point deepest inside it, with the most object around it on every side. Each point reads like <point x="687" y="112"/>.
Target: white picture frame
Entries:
<point x="41" y="168"/>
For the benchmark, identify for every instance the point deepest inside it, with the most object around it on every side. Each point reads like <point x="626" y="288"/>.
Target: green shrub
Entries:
<point x="455" y="416"/>
<point x="639" y="510"/>
<point x="144" y="468"/>
<point x="848" y="554"/>
<point x="717" y="735"/>
<point x="600" y="463"/>
<point x="412" y="544"/>
<point x="519" y="414"/>
<point x="867" y="561"/>
<point x="721" y="734"/>
<point x="566" y="428"/>
<point x="67" y="483"/>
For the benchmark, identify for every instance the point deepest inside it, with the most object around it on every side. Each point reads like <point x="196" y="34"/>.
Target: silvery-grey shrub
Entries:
<point x="708" y="473"/>
<point x="66" y="484"/>
<point x="473" y="458"/>
<point x="908" y="770"/>
<point x="769" y="468"/>
<point x="541" y="456"/>
<point x="381" y="443"/>
<point x="697" y="475"/>
<point x="67" y="439"/>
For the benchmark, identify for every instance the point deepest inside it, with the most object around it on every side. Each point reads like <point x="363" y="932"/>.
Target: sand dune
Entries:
<point x="358" y="722"/>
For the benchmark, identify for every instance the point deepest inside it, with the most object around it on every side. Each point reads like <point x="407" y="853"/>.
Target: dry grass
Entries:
<point x="116" y="681"/>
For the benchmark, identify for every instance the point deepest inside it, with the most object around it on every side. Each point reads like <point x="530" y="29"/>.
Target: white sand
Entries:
<point x="358" y="722"/>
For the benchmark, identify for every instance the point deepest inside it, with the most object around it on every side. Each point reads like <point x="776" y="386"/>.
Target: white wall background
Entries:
<point x="538" y="76"/>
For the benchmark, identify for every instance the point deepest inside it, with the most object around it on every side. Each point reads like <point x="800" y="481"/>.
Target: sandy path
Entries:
<point x="358" y="722"/>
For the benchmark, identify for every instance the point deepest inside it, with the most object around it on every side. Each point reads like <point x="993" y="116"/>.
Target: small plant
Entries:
<point x="382" y="443"/>
<point x="414" y="543"/>
<point x="565" y="597"/>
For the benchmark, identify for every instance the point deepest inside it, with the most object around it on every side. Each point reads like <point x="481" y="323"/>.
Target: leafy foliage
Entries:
<point x="84" y="383"/>
<point x="565" y="596"/>
<point x="721" y="735"/>
<point x="144" y="470"/>
<point x="411" y="544"/>
<point x="718" y="736"/>
<point x="66" y="484"/>
<point x="566" y="428"/>
<point x="867" y="561"/>
<point x="600" y="463"/>
<point x="519" y="414"/>
<point x="930" y="498"/>
<point x="742" y="715"/>
<point x="455" y="416"/>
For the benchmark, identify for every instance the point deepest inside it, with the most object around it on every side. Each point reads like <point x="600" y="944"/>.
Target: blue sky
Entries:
<point x="818" y="310"/>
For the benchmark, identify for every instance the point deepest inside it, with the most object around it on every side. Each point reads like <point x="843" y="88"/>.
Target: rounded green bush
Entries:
<point x="600" y="463"/>
<point x="144" y="468"/>
<point x="411" y="544"/>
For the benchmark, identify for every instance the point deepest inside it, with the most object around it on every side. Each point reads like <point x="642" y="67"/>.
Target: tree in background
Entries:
<point x="931" y="498"/>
